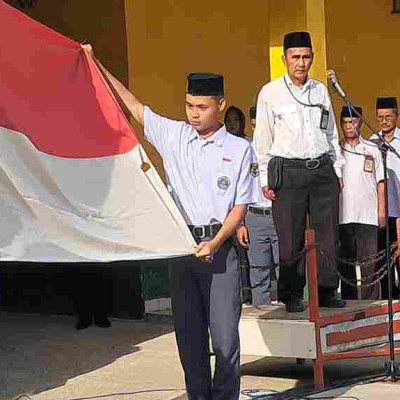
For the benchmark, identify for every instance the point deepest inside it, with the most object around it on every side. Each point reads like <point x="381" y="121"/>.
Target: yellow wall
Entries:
<point x="101" y="23"/>
<point x="363" y="40"/>
<point x="167" y="39"/>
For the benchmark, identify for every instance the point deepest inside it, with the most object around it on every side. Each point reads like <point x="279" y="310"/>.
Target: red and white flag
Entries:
<point x="71" y="183"/>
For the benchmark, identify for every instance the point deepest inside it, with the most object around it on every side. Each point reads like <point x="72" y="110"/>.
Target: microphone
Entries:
<point x="334" y="82"/>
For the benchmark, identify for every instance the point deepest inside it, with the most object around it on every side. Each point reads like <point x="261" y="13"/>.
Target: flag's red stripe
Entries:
<point x="53" y="94"/>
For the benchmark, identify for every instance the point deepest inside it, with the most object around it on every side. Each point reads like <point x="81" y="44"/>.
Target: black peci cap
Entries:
<point x="253" y="112"/>
<point x="297" y="39"/>
<point x="386" y="102"/>
<point x="205" y="84"/>
<point x="346" y="113"/>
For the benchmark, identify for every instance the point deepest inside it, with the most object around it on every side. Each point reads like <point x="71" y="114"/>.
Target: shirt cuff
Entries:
<point x="263" y="179"/>
<point x="338" y="171"/>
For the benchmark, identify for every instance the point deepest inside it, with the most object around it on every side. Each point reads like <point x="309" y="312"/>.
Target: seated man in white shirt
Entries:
<point x="361" y="206"/>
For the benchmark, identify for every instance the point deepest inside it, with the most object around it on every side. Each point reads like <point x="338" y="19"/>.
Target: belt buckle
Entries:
<point x="202" y="230"/>
<point x="312" y="163"/>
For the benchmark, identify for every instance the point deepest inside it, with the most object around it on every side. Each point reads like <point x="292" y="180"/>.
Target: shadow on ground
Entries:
<point x="302" y="375"/>
<point x="38" y="353"/>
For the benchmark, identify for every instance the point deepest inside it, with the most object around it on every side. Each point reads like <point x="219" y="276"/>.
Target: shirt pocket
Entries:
<point x="286" y="116"/>
<point x="225" y="181"/>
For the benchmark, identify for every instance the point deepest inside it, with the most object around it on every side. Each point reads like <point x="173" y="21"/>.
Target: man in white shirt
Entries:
<point x="387" y="113"/>
<point x="208" y="174"/>
<point x="361" y="206"/>
<point x="300" y="163"/>
<point x="258" y="236"/>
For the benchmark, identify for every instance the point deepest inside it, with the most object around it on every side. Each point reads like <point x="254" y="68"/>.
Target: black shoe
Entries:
<point x="294" y="305"/>
<point x="328" y="299"/>
<point x="332" y="302"/>
<point x="83" y="323"/>
<point x="102" y="322"/>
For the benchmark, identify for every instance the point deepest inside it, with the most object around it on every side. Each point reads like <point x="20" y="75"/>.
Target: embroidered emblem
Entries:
<point x="254" y="172"/>
<point x="223" y="182"/>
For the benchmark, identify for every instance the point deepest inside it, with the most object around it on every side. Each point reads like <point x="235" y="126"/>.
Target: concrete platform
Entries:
<point x="45" y="358"/>
<point x="271" y="331"/>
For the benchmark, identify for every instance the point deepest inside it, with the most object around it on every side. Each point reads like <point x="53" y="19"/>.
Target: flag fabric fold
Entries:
<point x="71" y="183"/>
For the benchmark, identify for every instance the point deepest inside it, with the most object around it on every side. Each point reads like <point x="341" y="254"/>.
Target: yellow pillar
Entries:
<point x="297" y="15"/>
<point x="285" y="16"/>
<point x="315" y="16"/>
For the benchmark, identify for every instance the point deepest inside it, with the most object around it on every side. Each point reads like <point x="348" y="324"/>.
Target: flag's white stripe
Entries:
<point x="58" y="209"/>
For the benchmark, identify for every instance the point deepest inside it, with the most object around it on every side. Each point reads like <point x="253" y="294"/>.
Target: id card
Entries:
<point x="324" y="119"/>
<point x="368" y="164"/>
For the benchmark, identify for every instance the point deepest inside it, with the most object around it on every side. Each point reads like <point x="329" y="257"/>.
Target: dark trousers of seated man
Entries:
<point x="357" y="242"/>
<point x="206" y="302"/>
<point x="312" y="192"/>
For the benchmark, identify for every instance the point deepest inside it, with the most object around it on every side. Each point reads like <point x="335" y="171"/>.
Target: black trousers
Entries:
<point x="206" y="302"/>
<point x="357" y="242"/>
<point x="92" y="290"/>
<point x="382" y="246"/>
<point x="313" y="192"/>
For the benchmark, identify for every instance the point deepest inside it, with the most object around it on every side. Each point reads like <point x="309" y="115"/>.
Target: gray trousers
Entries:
<point x="263" y="253"/>
<point x="206" y="301"/>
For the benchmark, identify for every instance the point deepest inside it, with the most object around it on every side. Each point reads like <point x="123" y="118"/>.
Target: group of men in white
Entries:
<point x="303" y="171"/>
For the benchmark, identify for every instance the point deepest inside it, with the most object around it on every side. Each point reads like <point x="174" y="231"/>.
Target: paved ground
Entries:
<point x="45" y="358"/>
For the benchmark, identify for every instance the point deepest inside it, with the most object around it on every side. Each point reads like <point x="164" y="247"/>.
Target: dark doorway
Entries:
<point x="49" y="288"/>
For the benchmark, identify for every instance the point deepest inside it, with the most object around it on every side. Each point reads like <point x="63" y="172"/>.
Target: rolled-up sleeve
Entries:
<point x="263" y="136"/>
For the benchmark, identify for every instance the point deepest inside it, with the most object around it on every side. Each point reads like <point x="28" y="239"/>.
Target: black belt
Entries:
<point x="308" y="163"/>
<point x="204" y="231"/>
<point x="260" y="210"/>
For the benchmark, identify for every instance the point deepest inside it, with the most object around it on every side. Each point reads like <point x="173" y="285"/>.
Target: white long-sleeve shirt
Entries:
<point x="288" y="129"/>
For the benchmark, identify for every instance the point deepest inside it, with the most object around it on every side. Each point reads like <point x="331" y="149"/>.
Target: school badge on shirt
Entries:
<point x="254" y="172"/>
<point x="223" y="182"/>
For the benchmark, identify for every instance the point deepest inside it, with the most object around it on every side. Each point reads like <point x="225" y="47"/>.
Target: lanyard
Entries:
<point x="319" y="105"/>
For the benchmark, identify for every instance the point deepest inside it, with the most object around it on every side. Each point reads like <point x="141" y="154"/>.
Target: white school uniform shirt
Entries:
<point x="358" y="201"/>
<point x="393" y="164"/>
<point x="205" y="177"/>
<point x="288" y="129"/>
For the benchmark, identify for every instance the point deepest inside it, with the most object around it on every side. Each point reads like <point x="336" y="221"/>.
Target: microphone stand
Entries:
<point x="392" y="367"/>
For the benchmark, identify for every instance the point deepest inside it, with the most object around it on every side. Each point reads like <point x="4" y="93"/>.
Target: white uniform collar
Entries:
<point x="396" y="134"/>
<point x="348" y="145"/>
<point x="306" y="86"/>
<point x="218" y="137"/>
